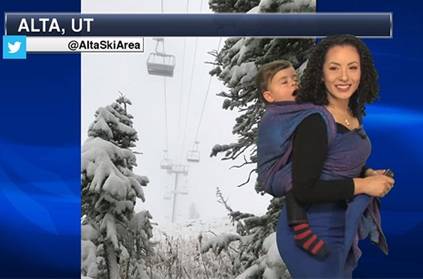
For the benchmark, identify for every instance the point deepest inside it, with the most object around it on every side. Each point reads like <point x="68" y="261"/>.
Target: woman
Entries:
<point x="341" y="206"/>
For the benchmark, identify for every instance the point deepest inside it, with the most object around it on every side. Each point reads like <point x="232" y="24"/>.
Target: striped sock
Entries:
<point x="309" y="242"/>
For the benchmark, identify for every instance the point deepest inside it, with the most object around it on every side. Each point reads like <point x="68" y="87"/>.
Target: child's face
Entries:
<point x="282" y="86"/>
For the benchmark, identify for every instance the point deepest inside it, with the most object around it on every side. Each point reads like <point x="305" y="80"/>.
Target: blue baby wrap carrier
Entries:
<point x="340" y="225"/>
<point x="274" y="145"/>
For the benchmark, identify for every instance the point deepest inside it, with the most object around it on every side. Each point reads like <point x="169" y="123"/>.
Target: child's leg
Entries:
<point x="304" y="237"/>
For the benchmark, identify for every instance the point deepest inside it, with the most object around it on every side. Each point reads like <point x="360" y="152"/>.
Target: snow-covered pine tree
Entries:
<point x="237" y="65"/>
<point x="109" y="190"/>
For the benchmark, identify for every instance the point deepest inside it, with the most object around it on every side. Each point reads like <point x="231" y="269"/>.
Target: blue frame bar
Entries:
<point x="292" y="25"/>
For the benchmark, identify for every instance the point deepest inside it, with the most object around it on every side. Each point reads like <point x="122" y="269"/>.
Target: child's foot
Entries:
<point x="309" y="242"/>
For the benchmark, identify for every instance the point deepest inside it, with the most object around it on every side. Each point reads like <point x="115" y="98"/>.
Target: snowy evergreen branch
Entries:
<point x="243" y="164"/>
<point x="220" y="242"/>
<point x="248" y="179"/>
<point x="221" y="200"/>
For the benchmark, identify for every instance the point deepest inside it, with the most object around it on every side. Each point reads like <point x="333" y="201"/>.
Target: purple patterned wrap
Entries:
<point x="274" y="144"/>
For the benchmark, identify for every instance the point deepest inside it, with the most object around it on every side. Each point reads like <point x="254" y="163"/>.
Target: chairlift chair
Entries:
<point x="159" y="63"/>
<point x="165" y="164"/>
<point x="194" y="154"/>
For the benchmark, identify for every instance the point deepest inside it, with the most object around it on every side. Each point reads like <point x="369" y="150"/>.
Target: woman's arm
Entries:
<point x="310" y="148"/>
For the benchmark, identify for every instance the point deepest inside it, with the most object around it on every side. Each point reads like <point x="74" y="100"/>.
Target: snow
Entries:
<point x="251" y="272"/>
<point x="288" y="6"/>
<point x="108" y="119"/>
<point x="216" y="235"/>
<point x="254" y="10"/>
<point x="219" y="242"/>
<point x="246" y="50"/>
<point x="100" y="149"/>
<point x="136" y="185"/>
<point x="98" y="157"/>
<point x="243" y="73"/>
<point x="143" y="180"/>
<point x="265" y="5"/>
<point x="274" y="266"/>
<point x="109" y="226"/>
<point x="116" y="186"/>
<point x="88" y="232"/>
<point x="140" y="221"/>
<point x="270" y="264"/>
<point x="121" y="207"/>
<point x="301" y="69"/>
<point x="124" y="260"/>
<point x="121" y="118"/>
<point x="193" y="228"/>
<point x="88" y="258"/>
<point x="297" y="5"/>
<point x="101" y="128"/>
<point x="178" y="249"/>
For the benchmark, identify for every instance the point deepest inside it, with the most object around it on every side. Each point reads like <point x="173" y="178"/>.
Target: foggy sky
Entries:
<point x="103" y="75"/>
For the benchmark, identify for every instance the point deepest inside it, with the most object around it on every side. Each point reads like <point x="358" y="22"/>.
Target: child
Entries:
<point x="277" y="83"/>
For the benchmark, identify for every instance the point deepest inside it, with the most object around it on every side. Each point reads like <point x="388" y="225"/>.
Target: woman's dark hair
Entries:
<point x="312" y="88"/>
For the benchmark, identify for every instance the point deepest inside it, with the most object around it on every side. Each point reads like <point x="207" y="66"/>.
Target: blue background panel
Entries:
<point x="40" y="159"/>
<point x="394" y="124"/>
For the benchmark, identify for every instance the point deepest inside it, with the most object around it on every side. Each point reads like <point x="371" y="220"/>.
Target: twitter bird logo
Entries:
<point x="14" y="47"/>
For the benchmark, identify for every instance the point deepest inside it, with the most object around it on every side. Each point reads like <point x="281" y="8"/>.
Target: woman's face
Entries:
<point x="341" y="72"/>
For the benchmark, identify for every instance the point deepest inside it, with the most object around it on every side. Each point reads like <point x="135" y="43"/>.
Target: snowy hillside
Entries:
<point x="192" y="229"/>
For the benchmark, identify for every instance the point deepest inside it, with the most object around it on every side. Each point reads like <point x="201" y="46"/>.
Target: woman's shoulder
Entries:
<point x="313" y="122"/>
<point x="318" y="122"/>
<point x="317" y="115"/>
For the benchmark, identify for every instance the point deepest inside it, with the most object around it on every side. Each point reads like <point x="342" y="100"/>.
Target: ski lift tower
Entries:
<point x="177" y="169"/>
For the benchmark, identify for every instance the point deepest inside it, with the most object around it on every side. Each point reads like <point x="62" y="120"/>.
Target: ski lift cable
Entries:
<point x="182" y="79"/>
<point x="165" y="110"/>
<point x="181" y="90"/>
<point x="205" y="99"/>
<point x="201" y="6"/>
<point x="190" y="90"/>
<point x="165" y="93"/>
<point x="187" y="6"/>
<point x="189" y="95"/>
